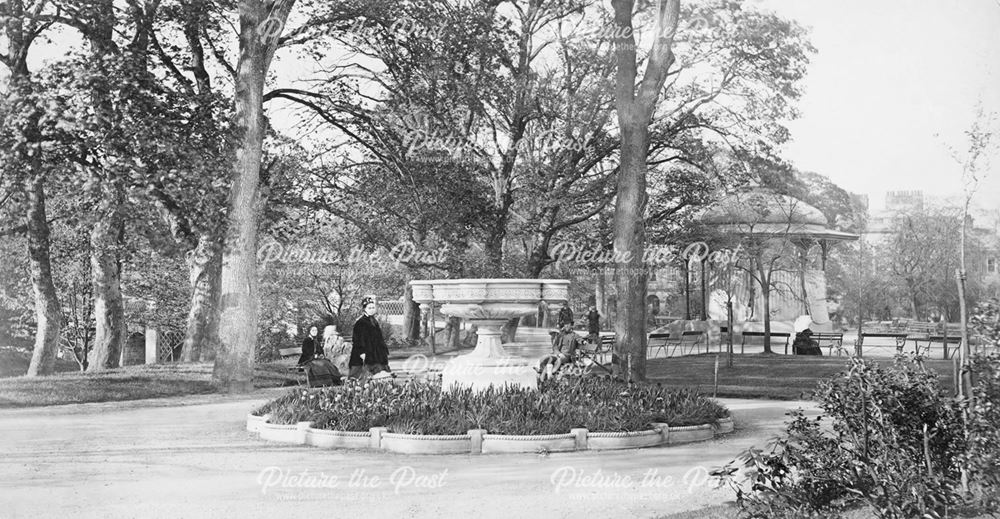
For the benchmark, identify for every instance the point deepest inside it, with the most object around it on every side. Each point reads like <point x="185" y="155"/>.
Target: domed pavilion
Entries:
<point x="773" y="237"/>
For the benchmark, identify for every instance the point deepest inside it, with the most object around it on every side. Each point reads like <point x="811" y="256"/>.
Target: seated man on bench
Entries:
<point x="564" y="346"/>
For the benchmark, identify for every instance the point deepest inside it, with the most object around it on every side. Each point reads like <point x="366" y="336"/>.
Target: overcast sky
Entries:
<point x="894" y="83"/>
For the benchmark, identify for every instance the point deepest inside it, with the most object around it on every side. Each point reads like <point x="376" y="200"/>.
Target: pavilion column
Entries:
<point x="704" y="291"/>
<point x="152" y="355"/>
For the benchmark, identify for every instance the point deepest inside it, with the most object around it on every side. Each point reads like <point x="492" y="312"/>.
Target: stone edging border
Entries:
<point x="476" y="441"/>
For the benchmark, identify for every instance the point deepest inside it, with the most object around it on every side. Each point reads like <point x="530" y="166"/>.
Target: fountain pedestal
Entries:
<point x="489" y="303"/>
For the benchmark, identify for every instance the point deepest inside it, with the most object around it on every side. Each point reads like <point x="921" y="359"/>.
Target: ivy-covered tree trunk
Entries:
<point x="239" y="297"/>
<point x="47" y="312"/>
<point x="205" y="268"/>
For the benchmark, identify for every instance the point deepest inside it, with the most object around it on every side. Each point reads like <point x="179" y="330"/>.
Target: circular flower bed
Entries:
<point x="557" y="407"/>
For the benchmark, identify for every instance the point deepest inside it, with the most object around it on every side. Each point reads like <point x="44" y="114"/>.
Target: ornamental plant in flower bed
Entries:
<point x="892" y="442"/>
<point x="557" y="407"/>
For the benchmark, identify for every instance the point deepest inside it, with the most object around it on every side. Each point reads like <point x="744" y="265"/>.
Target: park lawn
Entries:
<point x="128" y="383"/>
<point x="782" y="377"/>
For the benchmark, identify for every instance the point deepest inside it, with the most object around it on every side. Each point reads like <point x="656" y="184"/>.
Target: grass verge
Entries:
<point x="781" y="377"/>
<point x="129" y="383"/>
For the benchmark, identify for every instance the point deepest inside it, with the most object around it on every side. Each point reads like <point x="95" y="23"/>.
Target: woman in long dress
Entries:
<point x="368" y="349"/>
<point x="311" y="346"/>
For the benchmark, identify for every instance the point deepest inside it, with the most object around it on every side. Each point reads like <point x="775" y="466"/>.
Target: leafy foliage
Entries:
<point x="983" y="453"/>
<point x="888" y="440"/>
<point x="557" y="407"/>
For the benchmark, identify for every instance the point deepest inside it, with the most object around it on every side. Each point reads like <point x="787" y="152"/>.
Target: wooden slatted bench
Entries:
<point x="779" y="335"/>
<point x="606" y="346"/>
<point x="293" y="354"/>
<point x="687" y="339"/>
<point x="658" y="341"/>
<point x="900" y="339"/>
<point x="834" y="339"/>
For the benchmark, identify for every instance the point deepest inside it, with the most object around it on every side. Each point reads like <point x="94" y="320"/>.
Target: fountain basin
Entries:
<point x="489" y="303"/>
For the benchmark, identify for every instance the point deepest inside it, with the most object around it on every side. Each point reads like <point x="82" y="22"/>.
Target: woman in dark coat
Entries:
<point x="312" y="347"/>
<point x="367" y="340"/>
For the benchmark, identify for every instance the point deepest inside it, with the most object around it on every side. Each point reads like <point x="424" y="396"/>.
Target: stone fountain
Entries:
<point x="489" y="303"/>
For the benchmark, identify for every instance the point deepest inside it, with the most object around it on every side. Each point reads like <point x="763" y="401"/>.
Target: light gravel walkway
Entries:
<point x="191" y="457"/>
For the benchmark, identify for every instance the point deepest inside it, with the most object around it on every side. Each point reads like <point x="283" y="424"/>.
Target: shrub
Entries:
<point x="557" y="407"/>
<point x="983" y="453"/>
<point x="888" y="439"/>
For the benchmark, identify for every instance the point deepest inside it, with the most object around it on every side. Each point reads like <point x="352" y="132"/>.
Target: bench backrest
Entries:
<point x="659" y="336"/>
<point x="761" y="334"/>
<point x="918" y="327"/>
<point x="290" y="352"/>
<point x="821" y="335"/>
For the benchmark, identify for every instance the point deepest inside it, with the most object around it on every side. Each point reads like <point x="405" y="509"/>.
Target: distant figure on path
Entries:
<point x="368" y="345"/>
<point x="594" y="325"/>
<point x="311" y="346"/>
<point x="565" y="316"/>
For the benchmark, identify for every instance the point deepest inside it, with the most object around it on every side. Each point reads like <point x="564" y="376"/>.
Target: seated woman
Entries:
<point x="311" y="347"/>
<point x="564" y="345"/>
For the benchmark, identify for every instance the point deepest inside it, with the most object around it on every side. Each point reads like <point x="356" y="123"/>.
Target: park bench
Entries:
<point x="900" y="339"/>
<point x="833" y="339"/>
<point x="917" y="331"/>
<point x="658" y="341"/>
<point x="606" y="345"/>
<point x="594" y="352"/>
<point x="945" y="340"/>
<point x="774" y="335"/>
<point x="687" y="341"/>
<point x="293" y="353"/>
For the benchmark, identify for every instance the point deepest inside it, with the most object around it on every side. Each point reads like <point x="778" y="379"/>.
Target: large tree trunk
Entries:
<point x="539" y="254"/>
<point x="205" y="269"/>
<point x="635" y="110"/>
<point x="493" y="248"/>
<point x="411" y="316"/>
<point x="105" y="264"/>
<point x="629" y="245"/>
<point x="47" y="311"/>
<point x="238" y="300"/>
<point x="108" y="229"/>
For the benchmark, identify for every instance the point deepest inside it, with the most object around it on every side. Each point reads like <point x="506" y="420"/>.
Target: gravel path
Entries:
<point x="191" y="457"/>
